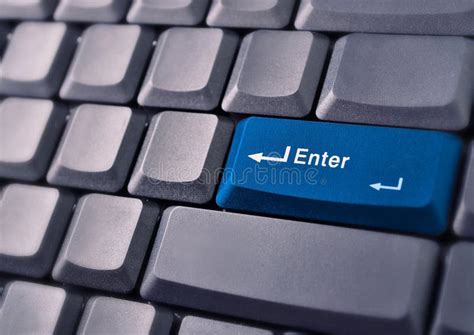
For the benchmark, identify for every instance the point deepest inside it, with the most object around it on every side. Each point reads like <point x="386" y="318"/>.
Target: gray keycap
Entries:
<point x="108" y="64"/>
<point x="181" y="157"/>
<point x="407" y="81"/>
<point x="192" y="325"/>
<point x="317" y="277"/>
<point x="97" y="148"/>
<point x="173" y="12"/>
<point x="189" y="69"/>
<point x="32" y="222"/>
<point x="91" y="10"/>
<point x="434" y="17"/>
<point x="29" y="130"/>
<point x="26" y="9"/>
<point x="106" y="242"/>
<point x="104" y="315"/>
<point x="276" y="73"/>
<point x="27" y="308"/>
<point x="455" y="310"/>
<point x="36" y="59"/>
<point x="250" y="13"/>
<point x="463" y="224"/>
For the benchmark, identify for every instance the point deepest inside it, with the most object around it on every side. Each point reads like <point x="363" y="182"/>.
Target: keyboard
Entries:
<point x="234" y="167"/>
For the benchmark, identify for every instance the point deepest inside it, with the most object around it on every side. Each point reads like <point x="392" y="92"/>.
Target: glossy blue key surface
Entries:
<point x="389" y="178"/>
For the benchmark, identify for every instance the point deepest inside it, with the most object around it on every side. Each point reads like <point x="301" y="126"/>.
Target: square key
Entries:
<point x="105" y="315"/>
<point x="181" y="157"/>
<point x="32" y="222"/>
<point x="108" y="63"/>
<point x="36" y="59"/>
<point x="400" y="80"/>
<point x="276" y="73"/>
<point x="189" y="68"/>
<point x="29" y="131"/>
<point x="97" y="148"/>
<point x="106" y="242"/>
<point x="26" y="9"/>
<point x="35" y="309"/>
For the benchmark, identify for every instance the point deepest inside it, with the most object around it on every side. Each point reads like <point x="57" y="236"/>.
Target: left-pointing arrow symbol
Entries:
<point x="258" y="157"/>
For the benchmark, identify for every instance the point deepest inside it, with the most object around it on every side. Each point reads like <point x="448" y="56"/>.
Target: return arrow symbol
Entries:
<point x="379" y="186"/>
<point x="258" y="157"/>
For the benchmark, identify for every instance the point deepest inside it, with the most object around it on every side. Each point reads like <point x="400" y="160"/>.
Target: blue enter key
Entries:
<point x="388" y="178"/>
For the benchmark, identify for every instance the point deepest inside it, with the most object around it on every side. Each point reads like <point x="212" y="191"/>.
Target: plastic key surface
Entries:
<point x="433" y="17"/>
<point x="405" y="81"/>
<point x="181" y="157"/>
<point x="395" y="179"/>
<point x="108" y="64"/>
<point x="37" y="58"/>
<point x="172" y="12"/>
<point x="463" y="224"/>
<point x="29" y="130"/>
<point x="26" y="9"/>
<point x="455" y="311"/>
<point x="32" y="223"/>
<point x="276" y="73"/>
<point x="316" y="277"/>
<point x="104" y="315"/>
<point x="193" y="325"/>
<point x="91" y="10"/>
<point x="250" y="13"/>
<point x="189" y="69"/>
<point x="27" y="308"/>
<point x="106" y="242"/>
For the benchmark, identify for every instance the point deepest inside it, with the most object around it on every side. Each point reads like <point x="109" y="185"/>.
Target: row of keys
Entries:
<point x="200" y="256"/>
<point x="407" y="81"/>
<point x="311" y="169"/>
<point x="180" y="159"/>
<point x="28" y="308"/>
<point x="409" y="17"/>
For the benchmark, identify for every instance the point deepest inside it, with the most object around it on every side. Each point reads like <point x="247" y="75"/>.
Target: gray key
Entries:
<point x="463" y="224"/>
<point x="181" y="157"/>
<point x="406" y="81"/>
<point x="29" y="131"/>
<point x="455" y="310"/>
<point x="26" y="9"/>
<point x="316" y="277"/>
<point x="106" y="242"/>
<point x="250" y="13"/>
<point x="91" y="10"/>
<point x="433" y="17"/>
<point x="192" y="325"/>
<point x="104" y="315"/>
<point x="97" y="148"/>
<point x="32" y="222"/>
<point x="172" y="12"/>
<point x="189" y="69"/>
<point x="276" y="73"/>
<point x="108" y="64"/>
<point x="36" y="59"/>
<point x="27" y="308"/>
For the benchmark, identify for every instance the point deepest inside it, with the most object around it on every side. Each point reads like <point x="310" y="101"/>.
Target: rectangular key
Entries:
<point x="91" y="10"/>
<point x="311" y="276"/>
<point x="26" y="9"/>
<point x="433" y="17"/>
<point x="463" y="224"/>
<point x="395" y="179"/>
